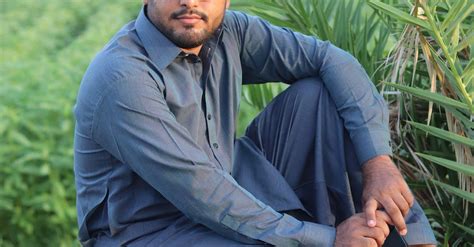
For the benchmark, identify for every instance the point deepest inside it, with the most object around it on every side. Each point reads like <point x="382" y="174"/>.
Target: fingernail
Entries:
<point x="371" y="223"/>
<point x="403" y="232"/>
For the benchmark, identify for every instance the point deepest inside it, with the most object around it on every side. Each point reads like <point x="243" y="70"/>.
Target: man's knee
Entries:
<point x="307" y="87"/>
<point x="307" y="92"/>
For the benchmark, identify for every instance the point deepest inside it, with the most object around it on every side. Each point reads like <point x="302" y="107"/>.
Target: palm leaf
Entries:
<point x="455" y="166"/>
<point x="398" y="14"/>
<point x="423" y="94"/>
<point x="459" y="16"/>
<point x="468" y="230"/>
<point x="469" y="40"/>
<point x="456" y="191"/>
<point x="443" y="134"/>
<point x="453" y="14"/>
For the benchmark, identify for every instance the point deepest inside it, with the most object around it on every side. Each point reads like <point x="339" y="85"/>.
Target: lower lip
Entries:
<point x="189" y="21"/>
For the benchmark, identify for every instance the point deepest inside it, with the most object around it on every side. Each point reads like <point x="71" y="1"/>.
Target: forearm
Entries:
<point x="270" y="53"/>
<point x="362" y="108"/>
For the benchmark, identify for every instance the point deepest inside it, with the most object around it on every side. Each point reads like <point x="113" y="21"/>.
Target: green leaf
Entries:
<point x="459" y="17"/>
<point x="321" y="22"/>
<point x="468" y="40"/>
<point x="398" y="14"/>
<point x="452" y="14"/>
<point x="456" y="166"/>
<point x="423" y="94"/>
<point x="452" y="75"/>
<point x="456" y="191"/>
<point x="443" y="134"/>
<point x="469" y="69"/>
<point x="468" y="123"/>
<point x="468" y="230"/>
<point x="20" y="138"/>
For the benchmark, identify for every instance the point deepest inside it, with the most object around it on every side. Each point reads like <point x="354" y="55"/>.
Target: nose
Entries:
<point x="189" y="3"/>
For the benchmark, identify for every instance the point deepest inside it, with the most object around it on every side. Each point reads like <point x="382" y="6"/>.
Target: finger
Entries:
<point x="369" y="242"/>
<point x="408" y="197"/>
<point x="396" y="216"/>
<point x="375" y="233"/>
<point x="384" y="216"/>
<point x="402" y="204"/>
<point x="382" y="222"/>
<point x="370" y="208"/>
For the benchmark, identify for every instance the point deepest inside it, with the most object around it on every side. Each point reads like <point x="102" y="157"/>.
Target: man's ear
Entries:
<point x="145" y="2"/>
<point x="227" y="4"/>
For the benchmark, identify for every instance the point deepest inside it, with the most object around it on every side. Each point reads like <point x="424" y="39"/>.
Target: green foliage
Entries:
<point x="45" y="48"/>
<point x="348" y="24"/>
<point x="435" y="54"/>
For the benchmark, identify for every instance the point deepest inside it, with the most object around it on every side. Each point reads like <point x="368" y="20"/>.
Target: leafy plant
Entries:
<point x="43" y="57"/>
<point x="432" y="64"/>
<point x="348" y="24"/>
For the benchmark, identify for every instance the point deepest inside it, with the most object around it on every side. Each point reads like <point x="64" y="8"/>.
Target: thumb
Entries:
<point x="369" y="210"/>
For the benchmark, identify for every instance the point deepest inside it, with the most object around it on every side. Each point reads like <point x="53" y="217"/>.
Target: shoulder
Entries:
<point x="236" y="21"/>
<point x="123" y="56"/>
<point x="121" y="63"/>
<point x="237" y="25"/>
<point x="245" y="27"/>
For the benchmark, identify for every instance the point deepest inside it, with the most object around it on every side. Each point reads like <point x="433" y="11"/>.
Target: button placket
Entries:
<point x="211" y="125"/>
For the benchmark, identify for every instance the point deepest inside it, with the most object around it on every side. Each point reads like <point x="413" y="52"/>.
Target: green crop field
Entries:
<point x="46" y="45"/>
<point x="45" y="48"/>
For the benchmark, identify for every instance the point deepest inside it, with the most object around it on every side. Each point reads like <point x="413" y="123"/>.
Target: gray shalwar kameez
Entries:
<point x="156" y="161"/>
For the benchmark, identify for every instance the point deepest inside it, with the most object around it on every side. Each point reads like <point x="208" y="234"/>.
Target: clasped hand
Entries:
<point x="384" y="188"/>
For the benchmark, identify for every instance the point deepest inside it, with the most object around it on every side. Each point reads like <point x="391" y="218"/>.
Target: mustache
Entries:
<point x="186" y="11"/>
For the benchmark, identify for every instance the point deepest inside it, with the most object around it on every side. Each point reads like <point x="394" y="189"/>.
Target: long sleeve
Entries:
<point x="133" y="122"/>
<point x="270" y="53"/>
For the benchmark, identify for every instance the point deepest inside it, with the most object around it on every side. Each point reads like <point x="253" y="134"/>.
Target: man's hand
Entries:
<point x="355" y="232"/>
<point x="384" y="187"/>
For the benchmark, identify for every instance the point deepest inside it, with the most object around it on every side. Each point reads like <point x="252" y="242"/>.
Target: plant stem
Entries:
<point x="443" y="46"/>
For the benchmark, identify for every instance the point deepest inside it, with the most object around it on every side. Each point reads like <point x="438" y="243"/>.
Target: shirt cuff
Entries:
<point x="419" y="233"/>
<point x="318" y="235"/>
<point x="370" y="144"/>
<point x="418" y="226"/>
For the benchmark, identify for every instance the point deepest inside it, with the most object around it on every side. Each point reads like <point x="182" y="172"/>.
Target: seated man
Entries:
<point x="157" y="162"/>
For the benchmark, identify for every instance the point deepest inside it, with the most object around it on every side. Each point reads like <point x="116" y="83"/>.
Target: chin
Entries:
<point x="190" y="39"/>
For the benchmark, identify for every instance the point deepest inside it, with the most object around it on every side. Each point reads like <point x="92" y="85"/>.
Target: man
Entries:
<point x="156" y="162"/>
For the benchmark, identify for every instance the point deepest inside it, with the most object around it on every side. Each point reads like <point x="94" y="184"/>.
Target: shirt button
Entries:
<point x="215" y="145"/>
<point x="209" y="116"/>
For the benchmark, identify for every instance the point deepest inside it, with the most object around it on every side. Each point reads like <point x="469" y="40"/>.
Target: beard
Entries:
<point x="190" y="37"/>
<point x="187" y="39"/>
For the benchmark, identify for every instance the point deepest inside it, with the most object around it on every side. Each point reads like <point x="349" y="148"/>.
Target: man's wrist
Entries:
<point x="372" y="168"/>
<point x="379" y="160"/>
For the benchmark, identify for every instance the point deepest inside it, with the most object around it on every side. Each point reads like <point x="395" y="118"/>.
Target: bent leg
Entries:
<point x="301" y="135"/>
